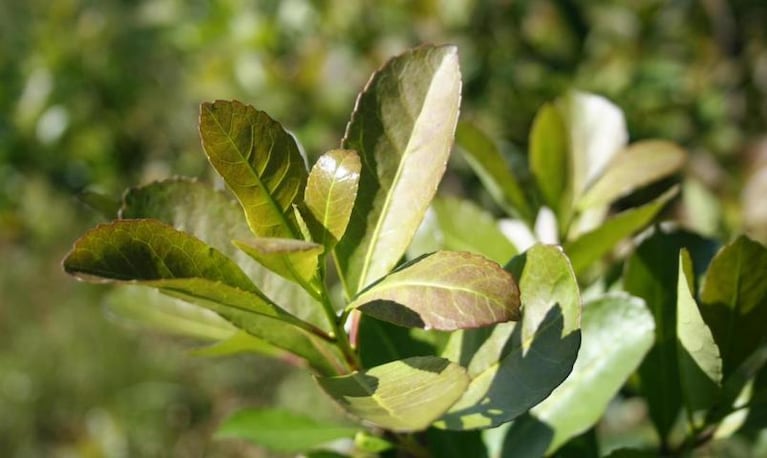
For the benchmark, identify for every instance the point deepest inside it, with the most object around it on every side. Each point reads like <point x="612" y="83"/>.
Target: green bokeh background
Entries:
<point x="103" y="94"/>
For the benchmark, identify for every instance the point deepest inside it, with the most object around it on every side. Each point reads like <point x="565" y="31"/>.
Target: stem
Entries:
<point x="336" y="326"/>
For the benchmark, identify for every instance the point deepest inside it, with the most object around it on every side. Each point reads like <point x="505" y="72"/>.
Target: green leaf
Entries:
<point x="295" y="260"/>
<point x="591" y="246"/>
<point x="542" y="347"/>
<point x="403" y="128"/>
<point x="597" y="131"/>
<point x="494" y="172"/>
<point x="617" y="331"/>
<point x="379" y="342"/>
<point x="259" y="161"/>
<point x="549" y="160"/>
<point x="455" y="444"/>
<point x="445" y="290"/>
<point x="216" y="219"/>
<point x="366" y="442"/>
<point x="103" y="204"/>
<point x="405" y="395"/>
<point x="638" y="165"/>
<point x="330" y="193"/>
<point x="651" y="274"/>
<point x="700" y="366"/>
<point x="734" y="300"/>
<point x="149" y="308"/>
<point x="459" y="225"/>
<point x="152" y="253"/>
<point x="281" y="430"/>
<point x="240" y="342"/>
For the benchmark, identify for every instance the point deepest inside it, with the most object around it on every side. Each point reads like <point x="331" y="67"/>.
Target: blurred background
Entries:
<point x="103" y="94"/>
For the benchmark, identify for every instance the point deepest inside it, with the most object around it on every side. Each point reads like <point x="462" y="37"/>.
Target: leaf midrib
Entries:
<point x="272" y="204"/>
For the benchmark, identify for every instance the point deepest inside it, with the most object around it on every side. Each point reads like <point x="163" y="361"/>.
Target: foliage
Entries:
<point x="519" y="345"/>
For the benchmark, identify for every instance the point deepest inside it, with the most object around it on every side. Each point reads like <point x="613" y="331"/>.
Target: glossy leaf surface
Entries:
<point x="638" y="165"/>
<point x="281" y="430"/>
<point x="295" y="260"/>
<point x="617" y="331"/>
<point x="402" y="127"/>
<point x="591" y="246"/>
<point x="734" y="300"/>
<point x="259" y="161"/>
<point x="541" y="347"/>
<point x="493" y="170"/>
<point x="405" y="395"/>
<point x="597" y="131"/>
<point x="330" y="194"/>
<point x="651" y="274"/>
<point x="445" y="290"/>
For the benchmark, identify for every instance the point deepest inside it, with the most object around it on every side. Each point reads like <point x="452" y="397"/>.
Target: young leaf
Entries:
<point x="216" y="219"/>
<point x="700" y="366"/>
<point x="259" y="161"/>
<point x="549" y="160"/>
<point x="617" y="331"/>
<point x="597" y="131"/>
<point x="591" y="246"/>
<point x="541" y="347"/>
<point x="734" y="300"/>
<point x="639" y="164"/>
<point x="494" y="172"/>
<point x="445" y="290"/>
<point x="330" y="193"/>
<point x="403" y="128"/>
<point x="295" y="260"/>
<point x="459" y="225"/>
<point x="650" y="275"/>
<point x="405" y="395"/>
<point x="281" y="430"/>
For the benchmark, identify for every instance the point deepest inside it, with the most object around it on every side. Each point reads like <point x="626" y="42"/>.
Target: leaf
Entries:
<point x="597" y="131"/>
<point x="259" y="161"/>
<point x="102" y="204"/>
<point x="617" y="331"/>
<point x="542" y="347"/>
<point x="638" y="165"/>
<point x="330" y="193"/>
<point x="402" y="127"/>
<point x="549" y="159"/>
<point x="240" y="342"/>
<point x="405" y="395"/>
<point x="459" y="225"/>
<point x="455" y="444"/>
<point x="151" y="253"/>
<point x="216" y="219"/>
<point x="150" y="308"/>
<point x="734" y="300"/>
<point x="295" y="260"/>
<point x="379" y="342"/>
<point x="281" y="430"/>
<point x="700" y="366"/>
<point x="493" y="171"/>
<point x="591" y="246"/>
<point x="651" y="275"/>
<point x="445" y="290"/>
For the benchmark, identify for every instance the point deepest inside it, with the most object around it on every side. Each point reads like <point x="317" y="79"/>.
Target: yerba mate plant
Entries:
<point x="306" y="265"/>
